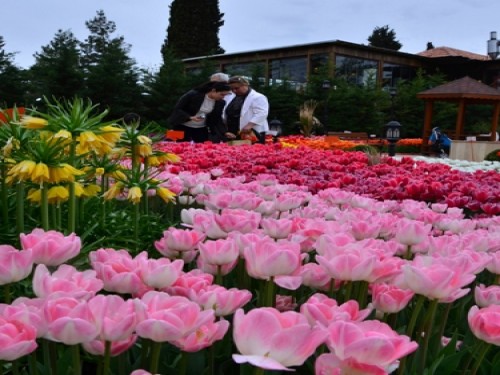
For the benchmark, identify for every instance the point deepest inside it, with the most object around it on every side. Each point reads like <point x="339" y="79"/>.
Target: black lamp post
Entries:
<point x="275" y="129"/>
<point x="326" y="85"/>
<point x="392" y="135"/>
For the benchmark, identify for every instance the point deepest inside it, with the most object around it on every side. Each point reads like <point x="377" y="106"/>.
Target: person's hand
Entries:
<point x="230" y="135"/>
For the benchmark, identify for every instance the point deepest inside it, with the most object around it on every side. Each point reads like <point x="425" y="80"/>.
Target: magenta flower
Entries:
<point x="268" y="259"/>
<point x="369" y="343"/>
<point x="272" y="340"/>
<point x="171" y="318"/>
<point x="485" y="323"/>
<point x="66" y="280"/>
<point x="51" y="248"/>
<point x="15" y="265"/>
<point x="17" y="339"/>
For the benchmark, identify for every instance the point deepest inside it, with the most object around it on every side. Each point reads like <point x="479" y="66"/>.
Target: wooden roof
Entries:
<point x="463" y="88"/>
<point x="440" y="52"/>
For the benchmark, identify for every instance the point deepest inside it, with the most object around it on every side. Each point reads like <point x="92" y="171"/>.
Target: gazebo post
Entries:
<point x="494" y="121"/>
<point x="429" y="106"/>
<point x="459" y="128"/>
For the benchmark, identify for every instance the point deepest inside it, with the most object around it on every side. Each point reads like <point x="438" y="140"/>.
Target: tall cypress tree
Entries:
<point x="12" y="79"/>
<point x="193" y="28"/>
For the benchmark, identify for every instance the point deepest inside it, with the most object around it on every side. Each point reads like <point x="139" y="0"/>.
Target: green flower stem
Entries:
<point x="6" y="294"/>
<point x="269" y="295"/>
<point x="102" y="216"/>
<point x="444" y="319"/>
<point x="259" y="371"/>
<point x="482" y="351"/>
<point x="15" y="367"/>
<point x="155" y="357"/>
<point x="44" y="207"/>
<point x="75" y="354"/>
<point x="411" y="327"/>
<point x="137" y="219"/>
<point x="1" y="367"/>
<point x="331" y="290"/>
<point x="19" y="207"/>
<point x="362" y="293"/>
<point x="347" y="291"/>
<point x="33" y="363"/>
<point x="71" y="189"/>
<point x="218" y="276"/>
<point x="146" y="345"/>
<point x="107" y="358"/>
<point x="431" y="313"/>
<point x="4" y="193"/>
<point x="183" y="362"/>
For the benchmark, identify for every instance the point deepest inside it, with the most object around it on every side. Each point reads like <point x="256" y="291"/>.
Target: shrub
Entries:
<point x="493" y="155"/>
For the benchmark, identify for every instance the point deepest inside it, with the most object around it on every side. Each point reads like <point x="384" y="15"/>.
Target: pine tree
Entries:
<point x="111" y="75"/>
<point x="12" y="79"/>
<point x="193" y="28"/>
<point x="385" y="38"/>
<point x="57" y="71"/>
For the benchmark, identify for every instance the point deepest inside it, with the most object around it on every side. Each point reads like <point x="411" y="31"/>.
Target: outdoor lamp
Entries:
<point x="392" y="135"/>
<point x="275" y="129"/>
<point x="326" y="85"/>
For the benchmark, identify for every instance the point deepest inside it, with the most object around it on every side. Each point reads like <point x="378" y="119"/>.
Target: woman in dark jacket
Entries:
<point x="198" y="113"/>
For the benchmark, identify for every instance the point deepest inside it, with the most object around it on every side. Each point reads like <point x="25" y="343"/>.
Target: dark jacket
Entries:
<point x="189" y="104"/>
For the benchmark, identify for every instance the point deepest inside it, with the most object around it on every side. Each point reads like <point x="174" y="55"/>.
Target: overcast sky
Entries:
<point x="27" y="25"/>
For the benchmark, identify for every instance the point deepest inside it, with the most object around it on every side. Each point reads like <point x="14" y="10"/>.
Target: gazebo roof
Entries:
<point x="463" y="88"/>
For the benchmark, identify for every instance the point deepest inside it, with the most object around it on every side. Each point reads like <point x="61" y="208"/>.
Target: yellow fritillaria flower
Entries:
<point x="172" y="158"/>
<point x="118" y="175"/>
<point x="91" y="190"/>
<point x="166" y="194"/>
<point x="114" y="191"/>
<point x="144" y="150"/>
<point x="23" y="170"/>
<point x="40" y="173"/>
<point x="88" y="141"/>
<point x="63" y="134"/>
<point x="31" y="122"/>
<point x="134" y="194"/>
<point x="11" y="144"/>
<point x="79" y="190"/>
<point x="144" y="140"/>
<point x="57" y="194"/>
<point x="99" y="171"/>
<point x="111" y="134"/>
<point x="63" y="172"/>
<point x="34" y="195"/>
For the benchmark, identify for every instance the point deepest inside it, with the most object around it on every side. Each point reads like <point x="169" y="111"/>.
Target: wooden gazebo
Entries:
<point x="463" y="91"/>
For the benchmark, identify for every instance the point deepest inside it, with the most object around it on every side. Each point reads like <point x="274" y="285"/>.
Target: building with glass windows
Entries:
<point x="356" y="63"/>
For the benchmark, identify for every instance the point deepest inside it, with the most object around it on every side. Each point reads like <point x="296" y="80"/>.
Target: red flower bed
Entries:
<point x="317" y="170"/>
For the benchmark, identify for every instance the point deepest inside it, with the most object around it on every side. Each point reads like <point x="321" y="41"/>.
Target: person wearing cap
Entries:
<point x="199" y="111"/>
<point x="247" y="112"/>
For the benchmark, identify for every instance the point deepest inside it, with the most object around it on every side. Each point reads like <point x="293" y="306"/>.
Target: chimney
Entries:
<point x="493" y="44"/>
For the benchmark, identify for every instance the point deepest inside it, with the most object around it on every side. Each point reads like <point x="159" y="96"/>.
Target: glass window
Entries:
<point x="292" y="70"/>
<point x="355" y="70"/>
<point x="393" y="73"/>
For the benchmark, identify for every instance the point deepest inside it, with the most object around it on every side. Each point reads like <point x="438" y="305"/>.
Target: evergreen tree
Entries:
<point x="111" y="75"/>
<point x="385" y="38"/>
<point x="57" y="71"/>
<point x="193" y="28"/>
<point x="12" y="79"/>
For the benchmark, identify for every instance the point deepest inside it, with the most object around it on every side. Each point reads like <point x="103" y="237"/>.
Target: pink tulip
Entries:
<point x="98" y="347"/>
<point x="191" y="282"/>
<point x="115" y="317"/>
<point x="291" y="200"/>
<point x="389" y="298"/>
<point x="26" y="310"/>
<point x="370" y="343"/>
<point x="171" y="318"/>
<point x="159" y="273"/>
<point x="411" y="232"/>
<point x="315" y="277"/>
<point x="330" y="364"/>
<point x="119" y="271"/>
<point x="51" y="248"/>
<point x="323" y="310"/>
<point x="285" y="303"/>
<point x="485" y="323"/>
<point x="272" y="340"/>
<point x="494" y="265"/>
<point x="486" y="296"/>
<point x="223" y="301"/>
<point x="352" y="264"/>
<point x="141" y="372"/>
<point x="219" y="252"/>
<point x="203" y="337"/>
<point x="69" y="321"/>
<point x="431" y="278"/>
<point x="363" y="229"/>
<point x="15" y="265"/>
<point x="179" y="243"/>
<point x="268" y="259"/>
<point x="277" y="228"/>
<point x="231" y="220"/>
<point x="17" y="339"/>
<point x="66" y="280"/>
